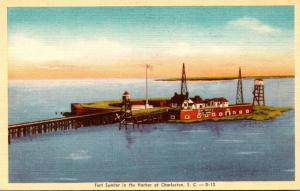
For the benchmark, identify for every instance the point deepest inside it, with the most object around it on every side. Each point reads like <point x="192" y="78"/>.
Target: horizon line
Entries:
<point x="157" y="78"/>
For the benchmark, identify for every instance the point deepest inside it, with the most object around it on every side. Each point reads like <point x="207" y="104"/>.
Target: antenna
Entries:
<point x="184" y="89"/>
<point x="239" y="90"/>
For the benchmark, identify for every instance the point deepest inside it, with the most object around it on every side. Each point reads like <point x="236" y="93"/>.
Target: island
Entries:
<point x="161" y="104"/>
<point x="182" y="108"/>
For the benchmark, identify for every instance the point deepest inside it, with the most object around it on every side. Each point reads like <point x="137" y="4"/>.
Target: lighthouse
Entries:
<point x="126" y="109"/>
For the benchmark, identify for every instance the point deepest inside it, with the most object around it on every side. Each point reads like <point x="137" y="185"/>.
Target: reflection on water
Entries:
<point x="131" y="131"/>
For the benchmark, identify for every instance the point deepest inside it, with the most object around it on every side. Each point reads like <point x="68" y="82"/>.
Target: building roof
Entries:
<point x="178" y="98"/>
<point x="188" y="100"/>
<point x="126" y="93"/>
<point x="197" y="99"/>
<point x="219" y="99"/>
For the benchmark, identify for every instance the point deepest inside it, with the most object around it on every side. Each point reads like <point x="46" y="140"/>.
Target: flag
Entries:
<point x="148" y="66"/>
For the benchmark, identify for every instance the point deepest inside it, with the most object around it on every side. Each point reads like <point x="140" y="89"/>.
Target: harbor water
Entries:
<point x="210" y="150"/>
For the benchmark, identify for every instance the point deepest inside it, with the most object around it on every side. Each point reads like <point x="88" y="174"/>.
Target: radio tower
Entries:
<point x="184" y="89"/>
<point x="239" y="90"/>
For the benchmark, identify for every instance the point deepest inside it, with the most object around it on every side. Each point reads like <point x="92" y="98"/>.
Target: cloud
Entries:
<point x="27" y="48"/>
<point x="55" y="53"/>
<point x="253" y="24"/>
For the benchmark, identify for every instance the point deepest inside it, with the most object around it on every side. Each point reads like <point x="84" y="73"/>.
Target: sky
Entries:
<point x="117" y="42"/>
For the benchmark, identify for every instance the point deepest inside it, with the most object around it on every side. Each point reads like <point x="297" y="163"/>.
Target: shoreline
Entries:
<point x="212" y="79"/>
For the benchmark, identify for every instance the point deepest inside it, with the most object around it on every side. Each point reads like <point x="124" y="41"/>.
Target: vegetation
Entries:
<point x="222" y="78"/>
<point x="148" y="110"/>
<point x="106" y="104"/>
<point x="260" y="113"/>
<point x="103" y="104"/>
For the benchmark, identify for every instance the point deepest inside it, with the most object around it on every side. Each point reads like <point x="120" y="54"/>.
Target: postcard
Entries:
<point x="100" y="95"/>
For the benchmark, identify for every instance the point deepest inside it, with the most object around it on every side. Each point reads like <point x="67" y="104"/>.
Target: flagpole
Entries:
<point x="146" y="86"/>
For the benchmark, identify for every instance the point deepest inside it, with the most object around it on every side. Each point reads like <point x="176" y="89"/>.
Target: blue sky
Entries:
<point x="126" y="22"/>
<point x="146" y="32"/>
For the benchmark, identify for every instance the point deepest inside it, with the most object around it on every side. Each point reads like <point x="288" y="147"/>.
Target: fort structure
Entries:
<point x="183" y="107"/>
<point x="197" y="108"/>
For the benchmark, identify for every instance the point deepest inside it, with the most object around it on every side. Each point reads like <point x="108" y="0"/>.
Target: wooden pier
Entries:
<point x="74" y="122"/>
<point x="60" y="124"/>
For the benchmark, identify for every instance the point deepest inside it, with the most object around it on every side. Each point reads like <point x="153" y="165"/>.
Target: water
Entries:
<point x="233" y="150"/>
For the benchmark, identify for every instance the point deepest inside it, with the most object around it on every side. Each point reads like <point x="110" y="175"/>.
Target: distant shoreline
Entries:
<point x="155" y="79"/>
<point x="222" y="78"/>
